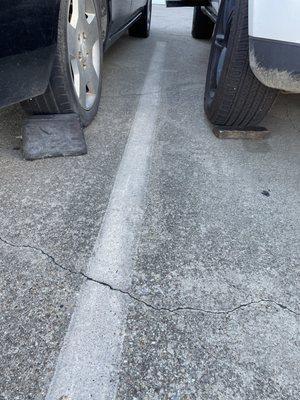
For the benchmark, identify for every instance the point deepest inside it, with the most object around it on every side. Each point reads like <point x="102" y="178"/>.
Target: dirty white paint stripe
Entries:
<point x="114" y="248"/>
<point x="88" y="363"/>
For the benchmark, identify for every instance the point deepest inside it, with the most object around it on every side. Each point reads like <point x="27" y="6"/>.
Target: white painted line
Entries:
<point x="115" y="245"/>
<point x="87" y="366"/>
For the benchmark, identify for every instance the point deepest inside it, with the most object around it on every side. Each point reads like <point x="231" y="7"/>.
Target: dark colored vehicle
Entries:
<point x="51" y="51"/>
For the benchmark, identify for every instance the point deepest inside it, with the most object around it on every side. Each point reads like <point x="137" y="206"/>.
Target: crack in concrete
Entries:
<point x="141" y="301"/>
<point x="27" y="246"/>
<point x="190" y="308"/>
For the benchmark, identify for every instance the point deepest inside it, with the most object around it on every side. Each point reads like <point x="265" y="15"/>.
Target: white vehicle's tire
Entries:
<point x="233" y="95"/>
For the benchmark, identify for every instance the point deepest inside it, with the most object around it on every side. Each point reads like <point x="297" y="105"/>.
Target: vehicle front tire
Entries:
<point x="141" y="28"/>
<point x="233" y="95"/>
<point x="203" y="26"/>
<point x="76" y="78"/>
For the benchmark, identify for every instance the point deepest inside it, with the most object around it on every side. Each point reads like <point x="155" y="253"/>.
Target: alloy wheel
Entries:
<point x="83" y="41"/>
<point x="220" y="45"/>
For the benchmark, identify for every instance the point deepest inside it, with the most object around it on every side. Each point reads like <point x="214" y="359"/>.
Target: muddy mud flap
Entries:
<point x="57" y="135"/>
<point x="275" y="63"/>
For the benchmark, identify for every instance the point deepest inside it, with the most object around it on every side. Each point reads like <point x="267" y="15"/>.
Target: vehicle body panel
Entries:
<point x="27" y="47"/>
<point x="120" y="14"/>
<point x="137" y="4"/>
<point x="274" y="31"/>
<point x="275" y="20"/>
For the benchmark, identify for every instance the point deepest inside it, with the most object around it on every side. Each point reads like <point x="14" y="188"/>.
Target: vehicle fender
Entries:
<point x="274" y="43"/>
<point x="27" y="47"/>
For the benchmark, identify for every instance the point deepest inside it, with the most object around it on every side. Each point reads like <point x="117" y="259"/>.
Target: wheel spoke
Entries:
<point x="78" y="12"/>
<point x="220" y="40"/>
<point x="79" y="80"/>
<point x="72" y="41"/>
<point x="82" y="87"/>
<point x="84" y="50"/>
<point x="92" y="31"/>
<point x="220" y="66"/>
<point x="92" y="78"/>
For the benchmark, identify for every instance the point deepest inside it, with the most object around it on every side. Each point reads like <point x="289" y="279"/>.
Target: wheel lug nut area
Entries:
<point x="83" y="51"/>
<point x="82" y="36"/>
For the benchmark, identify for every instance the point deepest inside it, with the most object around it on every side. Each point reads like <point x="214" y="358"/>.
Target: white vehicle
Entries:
<point x="255" y="53"/>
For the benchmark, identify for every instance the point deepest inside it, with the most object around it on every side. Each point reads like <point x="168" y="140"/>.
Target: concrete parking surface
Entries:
<point x="190" y="290"/>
